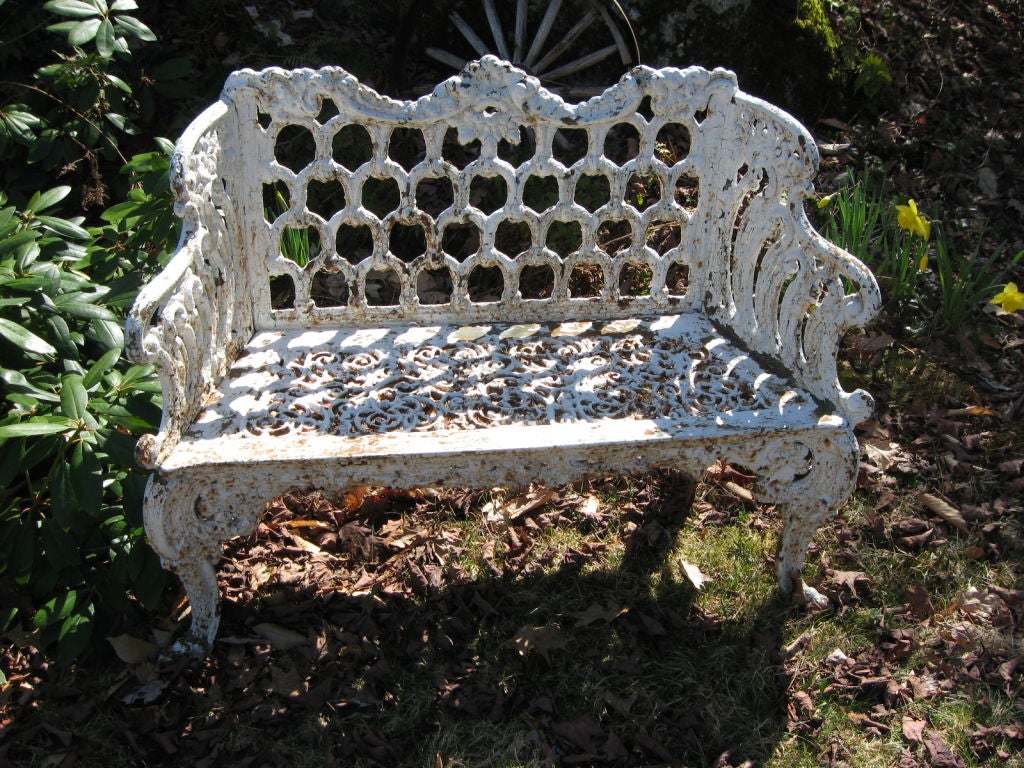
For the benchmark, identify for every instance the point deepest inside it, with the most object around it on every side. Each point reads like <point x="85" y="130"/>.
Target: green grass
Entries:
<point x="946" y="572"/>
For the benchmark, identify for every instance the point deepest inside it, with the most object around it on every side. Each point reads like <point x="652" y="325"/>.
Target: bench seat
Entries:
<point x="401" y="391"/>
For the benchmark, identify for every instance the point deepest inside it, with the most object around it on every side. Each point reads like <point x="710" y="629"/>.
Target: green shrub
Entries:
<point x="71" y="542"/>
<point x="73" y="559"/>
<point x="71" y="113"/>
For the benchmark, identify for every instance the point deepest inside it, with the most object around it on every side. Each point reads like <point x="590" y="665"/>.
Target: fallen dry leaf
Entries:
<point x="980" y="604"/>
<point x="910" y="527"/>
<point x="945" y="510"/>
<point x="917" y="541"/>
<point x="59" y="759"/>
<point x="920" y="603"/>
<point x="866" y="722"/>
<point x="280" y="637"/>
<point x="590" y="508"/>
<point x="541" y="640"/>
<point x="146" y="694"/>
<point x="596" y="612"/>
<point x="307" y="546"/>
<point x="738" y="491"/>
<point x="923" y="686"/>
<point x="913" y="730"/>
<point x="693" y="573"/>
<point x="976" y="552"/>
<point x="940" y="753"/>
<point x="805" y="703"/>
<point x="583" y="733"/>
<point x="849" y="579"/>
<point x="971" y="410"/>
<point x="285" y="681"/>
<point x="1012" y="597"/>
<point x="306" y="524"/>
<point x="621" y="704"/>
<point x="132" y="650"/>
<point x="797" y="645"/>
<point x="507" y="513"/>
<point x="1012" y="467"/>
<point x="1015" y="732"/>
<point x="259" y="575"/>
<point x="883" y="455"/>
<point x="837" y="657"/>
<point x="652" y="745"/>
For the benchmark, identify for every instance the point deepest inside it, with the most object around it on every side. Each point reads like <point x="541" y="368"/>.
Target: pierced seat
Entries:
<point x="367" y="391"/>
<point x="370" y="389"/>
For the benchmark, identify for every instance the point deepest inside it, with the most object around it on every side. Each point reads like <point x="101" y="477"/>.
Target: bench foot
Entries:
<point x="189" y="543"/>
<point x="813" y="498"/>
<point x="200" y="582"/>
<point x="798" y="530"/>
<point x="796" y="537"/>
<point x="812" y="598"/>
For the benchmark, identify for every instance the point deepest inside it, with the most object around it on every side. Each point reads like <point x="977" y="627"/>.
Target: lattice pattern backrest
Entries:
<point x="492" y="197"/>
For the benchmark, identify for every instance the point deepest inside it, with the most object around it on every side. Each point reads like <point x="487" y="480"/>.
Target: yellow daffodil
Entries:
<point x="1010" y="299"/>
<point x="824" y="202"/>
<point x="911" y="220"/>
<point x="922" y="265"/>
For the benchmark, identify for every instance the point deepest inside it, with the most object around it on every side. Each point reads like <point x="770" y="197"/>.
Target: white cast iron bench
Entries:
<point x="490" y="286"/>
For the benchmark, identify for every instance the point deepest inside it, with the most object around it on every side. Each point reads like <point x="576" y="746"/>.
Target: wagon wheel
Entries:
<point x="571" y="37"/>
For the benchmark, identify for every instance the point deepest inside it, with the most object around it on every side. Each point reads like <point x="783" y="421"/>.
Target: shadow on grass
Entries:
<point x="565" y="666"/>
<point x="593" y="660"/>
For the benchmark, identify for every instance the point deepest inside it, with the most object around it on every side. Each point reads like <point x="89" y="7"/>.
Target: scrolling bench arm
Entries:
<point x="191" y="319"/>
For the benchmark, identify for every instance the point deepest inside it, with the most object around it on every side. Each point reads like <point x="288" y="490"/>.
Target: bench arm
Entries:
<point x="782" y="289"/>
<point x="835" y="292"/>
<point x="793" y="295"/>
<point x="190" y="320"/>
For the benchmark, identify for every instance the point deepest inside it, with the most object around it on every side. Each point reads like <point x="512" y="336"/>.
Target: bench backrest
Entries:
<point x="492" y="198"/>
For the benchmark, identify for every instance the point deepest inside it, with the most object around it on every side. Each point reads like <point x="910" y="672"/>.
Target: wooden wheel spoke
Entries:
<point x="589" y="33"/>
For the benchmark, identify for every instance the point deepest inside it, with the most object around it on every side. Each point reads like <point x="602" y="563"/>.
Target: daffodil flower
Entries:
<point x="922" y="265"/>
<point x="1010" y="298"/>
<point x="824" y="202"/>
<point x="911" y="220"/>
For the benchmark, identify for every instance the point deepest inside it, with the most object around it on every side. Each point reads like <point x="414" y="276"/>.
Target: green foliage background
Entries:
<point x="73" y="562"/>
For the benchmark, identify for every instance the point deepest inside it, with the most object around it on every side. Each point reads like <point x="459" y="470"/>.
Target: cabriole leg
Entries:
<point x="199" y="578"/>
<point x="808" y="493"/>
<point x="189" y="544"/>
<point x="798" y="530"/>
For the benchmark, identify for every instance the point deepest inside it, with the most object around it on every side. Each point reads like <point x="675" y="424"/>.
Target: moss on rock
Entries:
<point x="787" y="52"/>
<point x="813" y="21"/>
